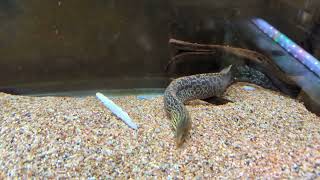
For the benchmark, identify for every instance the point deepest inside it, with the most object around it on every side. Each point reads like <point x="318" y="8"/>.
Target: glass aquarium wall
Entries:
<point x="85" y="44"/>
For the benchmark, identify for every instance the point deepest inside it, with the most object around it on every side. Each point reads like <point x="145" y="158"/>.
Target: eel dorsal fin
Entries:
<point x="226" y="70"/>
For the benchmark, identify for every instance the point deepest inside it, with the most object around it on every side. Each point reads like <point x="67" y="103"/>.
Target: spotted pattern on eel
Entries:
<point x="183" y="89"/>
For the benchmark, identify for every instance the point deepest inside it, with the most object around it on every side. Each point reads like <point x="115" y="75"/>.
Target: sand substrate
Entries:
<point x="261" y="134"/>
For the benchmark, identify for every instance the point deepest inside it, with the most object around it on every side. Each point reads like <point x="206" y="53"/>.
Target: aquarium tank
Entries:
<point x="207" y="89"/>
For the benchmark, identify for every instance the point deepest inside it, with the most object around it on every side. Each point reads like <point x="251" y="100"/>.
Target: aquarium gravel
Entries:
<point x="260" y="134"/>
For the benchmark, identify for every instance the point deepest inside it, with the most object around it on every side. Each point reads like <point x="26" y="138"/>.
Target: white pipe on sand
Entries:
<point x="115" y="109"/>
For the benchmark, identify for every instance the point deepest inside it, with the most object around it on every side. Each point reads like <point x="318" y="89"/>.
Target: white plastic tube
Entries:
<point x="115" y="109"/>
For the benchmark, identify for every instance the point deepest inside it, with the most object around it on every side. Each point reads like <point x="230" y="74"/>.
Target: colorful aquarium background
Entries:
<point x="82" y="87"/>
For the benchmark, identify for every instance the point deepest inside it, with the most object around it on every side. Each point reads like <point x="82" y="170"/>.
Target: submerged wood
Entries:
<point x="262" y="63"/>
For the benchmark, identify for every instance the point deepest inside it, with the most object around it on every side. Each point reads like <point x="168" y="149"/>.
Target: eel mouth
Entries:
<point x="179" y="143"/>
<point x="182" y="133"/>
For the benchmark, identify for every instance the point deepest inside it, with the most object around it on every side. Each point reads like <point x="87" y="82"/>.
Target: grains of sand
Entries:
<point x="261" y="133"/>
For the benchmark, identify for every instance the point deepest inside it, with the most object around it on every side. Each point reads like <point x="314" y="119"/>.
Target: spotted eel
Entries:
<point x="282" y="81"/>
<point x="183" y="89"/>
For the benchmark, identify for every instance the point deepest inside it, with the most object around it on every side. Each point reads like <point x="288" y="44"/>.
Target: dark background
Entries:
<point x="86" y="44"/>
